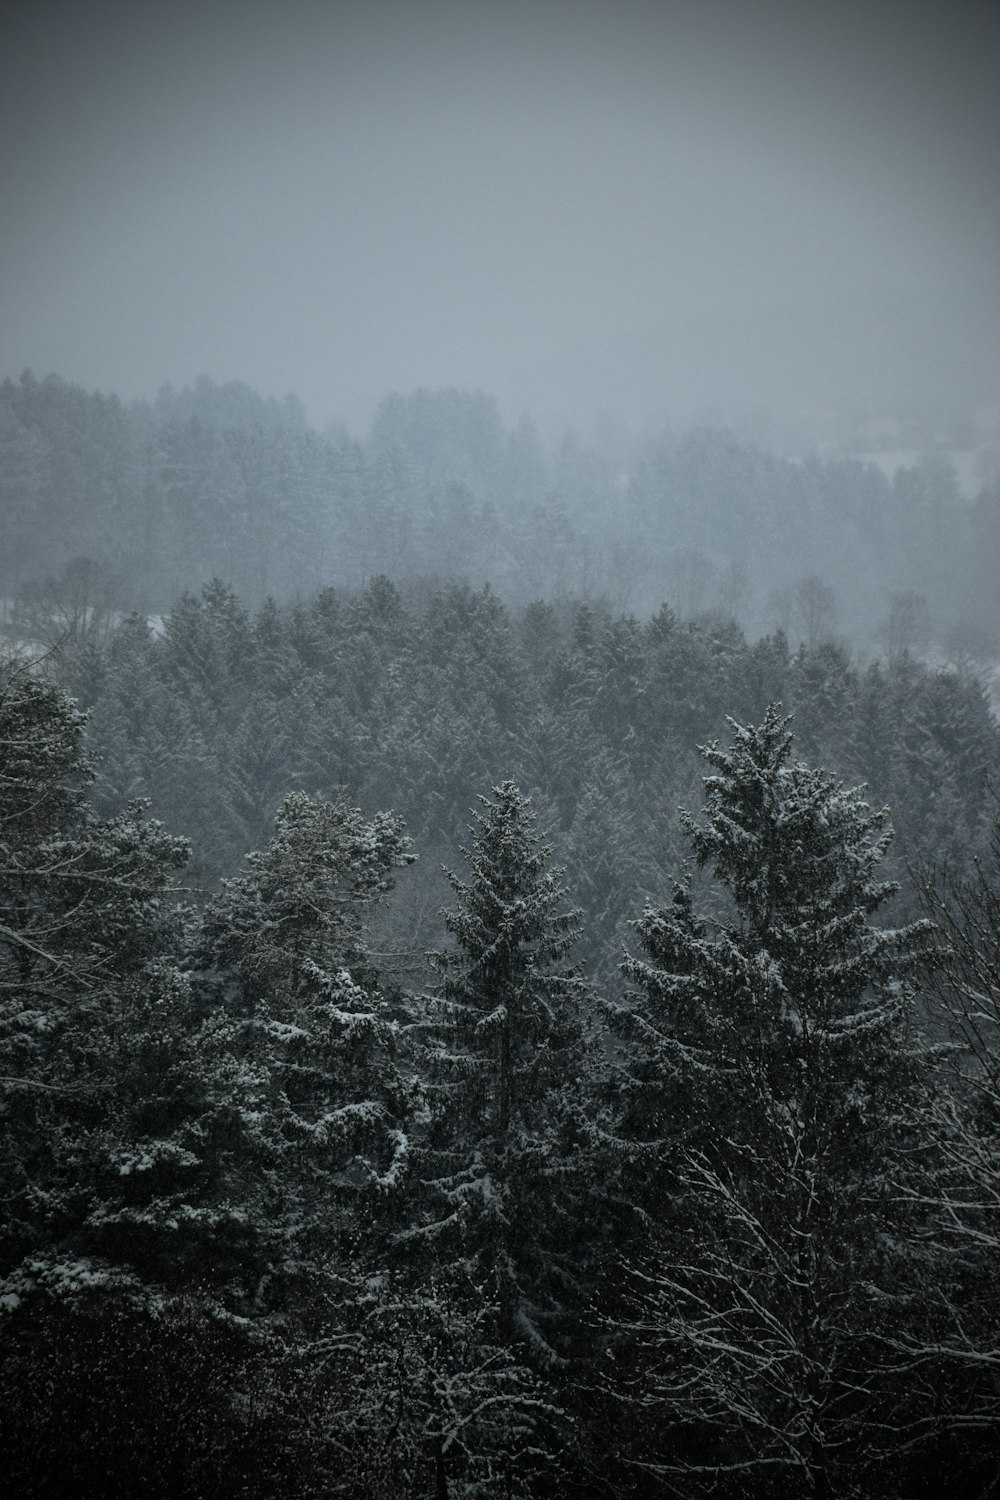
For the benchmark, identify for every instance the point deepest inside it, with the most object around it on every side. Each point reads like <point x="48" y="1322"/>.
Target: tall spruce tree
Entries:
<point x="782" y="1088"/>
<point x="507" y="1058"/>
<point x="502" y="1222"/>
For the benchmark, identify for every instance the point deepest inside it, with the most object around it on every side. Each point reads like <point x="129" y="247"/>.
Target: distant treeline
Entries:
<point x="150" y="499"/>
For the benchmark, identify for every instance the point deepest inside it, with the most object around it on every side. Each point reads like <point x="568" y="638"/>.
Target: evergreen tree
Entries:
<point x="510" y="1047"/>
<point x="282" y="952"/>
<point x="121" y="1241"/>
<point x="505" y="1158"/>
<point x="82" y="916"/>
<point x="782" y="1084"/>
<point x="283" y="956"/>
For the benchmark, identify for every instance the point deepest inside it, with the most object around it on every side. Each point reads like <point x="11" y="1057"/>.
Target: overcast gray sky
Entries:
<point x="653" y="209"/>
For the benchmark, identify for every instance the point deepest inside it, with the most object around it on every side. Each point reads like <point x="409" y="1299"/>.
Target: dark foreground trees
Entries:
<point x="953" y="1354"/>
<point x="119" y="1233"/>
<point x="753" y="1355"/>
<point x="272" y="1227"/>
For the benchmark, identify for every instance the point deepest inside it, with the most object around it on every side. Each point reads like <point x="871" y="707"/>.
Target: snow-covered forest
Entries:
<point x="499" y="961"/>
<point x="499" y="750"/>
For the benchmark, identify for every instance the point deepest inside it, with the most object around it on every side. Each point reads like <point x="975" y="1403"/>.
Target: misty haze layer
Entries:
<point x="664" y="212"/>
<point x="110" y="508"/>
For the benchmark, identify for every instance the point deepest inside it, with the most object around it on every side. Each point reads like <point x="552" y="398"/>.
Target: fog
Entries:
<point x="658" y="212"/>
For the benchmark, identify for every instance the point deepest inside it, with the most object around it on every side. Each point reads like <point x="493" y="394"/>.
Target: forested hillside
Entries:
<point x="113" y="508"/>
<point x="417" y="700"/>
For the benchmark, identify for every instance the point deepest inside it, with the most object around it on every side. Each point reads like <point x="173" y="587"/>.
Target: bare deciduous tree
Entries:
<point x="906" y="627"/>
<point x="814" y="609"/>
<point x="81" y="603"/>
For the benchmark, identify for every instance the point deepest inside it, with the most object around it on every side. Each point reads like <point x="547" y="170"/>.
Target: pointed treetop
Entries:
<point x="781" y="836"/>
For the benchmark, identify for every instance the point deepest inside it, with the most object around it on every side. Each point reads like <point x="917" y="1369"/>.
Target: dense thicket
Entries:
<point x="281" y="1220"/>
<point x="106" y="507"/>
